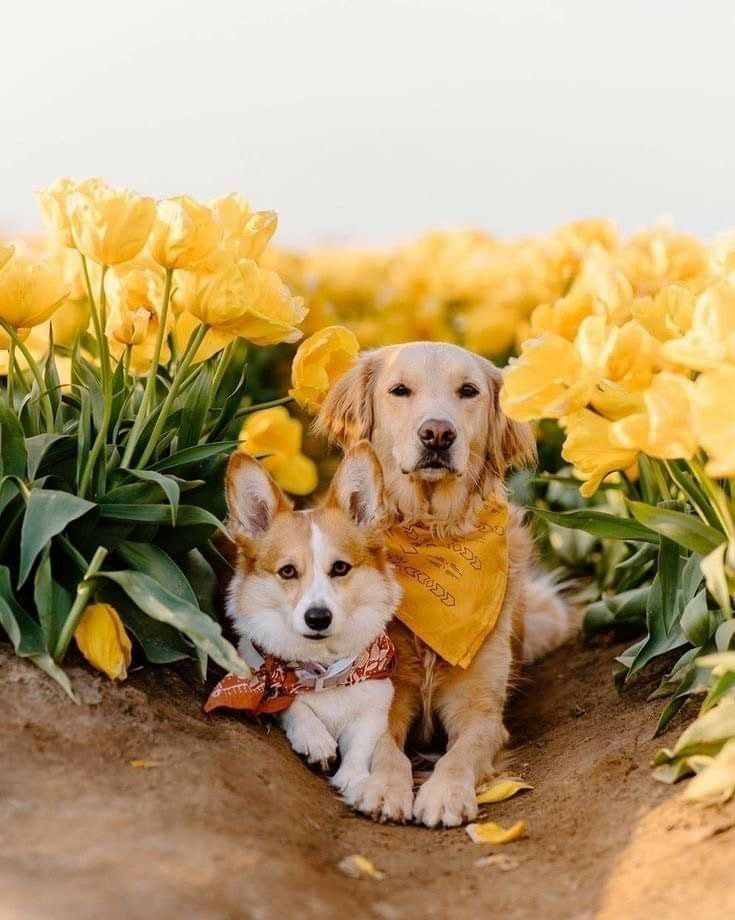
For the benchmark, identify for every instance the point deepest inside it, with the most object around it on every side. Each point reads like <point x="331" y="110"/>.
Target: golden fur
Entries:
<point x="364" y="404"/>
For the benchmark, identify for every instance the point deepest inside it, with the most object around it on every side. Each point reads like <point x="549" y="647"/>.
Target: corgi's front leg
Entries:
<point x="358" y="738"/>
<point x="308" y="735"/>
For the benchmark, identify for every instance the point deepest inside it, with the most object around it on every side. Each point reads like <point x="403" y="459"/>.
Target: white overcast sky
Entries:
<point x="371" y="120"/>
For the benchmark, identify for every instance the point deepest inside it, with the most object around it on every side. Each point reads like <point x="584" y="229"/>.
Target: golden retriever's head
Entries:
<point x="431" y="411"/>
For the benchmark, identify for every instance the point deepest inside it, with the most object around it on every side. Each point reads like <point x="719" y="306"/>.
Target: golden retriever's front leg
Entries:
<point x="470" y="704"/>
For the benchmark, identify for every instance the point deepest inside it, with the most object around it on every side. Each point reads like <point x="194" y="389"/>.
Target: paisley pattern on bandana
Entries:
<point x="453" y="589"/>
<point x="276" y="683"/>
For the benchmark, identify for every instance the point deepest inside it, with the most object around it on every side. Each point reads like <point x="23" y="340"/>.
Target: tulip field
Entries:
<point x="141" y="341"/>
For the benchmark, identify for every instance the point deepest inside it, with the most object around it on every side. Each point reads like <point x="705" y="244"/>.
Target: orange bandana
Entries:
<point x="276" y="683"/>
<point x="453" y="589"/>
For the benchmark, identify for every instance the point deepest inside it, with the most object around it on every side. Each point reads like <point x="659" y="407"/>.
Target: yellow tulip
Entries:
<point x="488" y="331"/>
<point x="53" y="202"/>
<point x="668" y="315"/>
<point x="135" y="295"/>
<point x="320" y="360"/>
<point x="240" y="299"/>
<point x="589" y="450"/>
<point x="6" y="254"/>
<point x="30" y="292"/>
<point x="546" y="381"/>
<point x="711" y="339"/>
<point x="71" y="319"/>
<point x="109" y="225"/>
<point x="102" y="640"/>
<point x="184" y="233"/>
<point x="246" y="233"/>
<point x="275" y="437"/>
<point x="714" y="419"/>
<point x="565" y="315"/>
<point x="666" y="428"/>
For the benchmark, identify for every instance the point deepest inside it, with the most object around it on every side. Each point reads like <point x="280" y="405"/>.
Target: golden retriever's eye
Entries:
<point x="339" y="568"/>
<point x="468" y="391"/>
<point x="287" y="572"/>
<point x="400" y="389"/>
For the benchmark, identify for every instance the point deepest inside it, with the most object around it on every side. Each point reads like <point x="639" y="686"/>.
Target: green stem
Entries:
<point x="48" y="414"/>
<point x="101" y="437"/>
<point x="248" y="410"/>
<point x="191" y="349"/>
<point x="717" y="498"/>
<point x="222" y="364"/>
<point x="11" y="374"/>
<point x="84" y="589"/>
<point x="150" y="384"/>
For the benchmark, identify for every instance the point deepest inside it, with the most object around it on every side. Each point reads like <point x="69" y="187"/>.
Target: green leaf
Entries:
<point x="168" y="484"/>
<point x="599" y="524"/>
<point x="715" y="574"/>
<point x="26" y="636"/>
<point x="48" y="513"/>
<point x="8" y="491"/>
<point x="161" y="643"/>
<point x="669" y="567"/>
<point x="84" y="432"/>
<point x="38" y="445"/>
<point x="229" y="408"/>
<point x="53" y="602"/>
<point x="194" y="455"/>
<point x="195" y="408"/>
<point x="162" y="605"/>
<point x="723" y="686"/>
<point x="704" y="738"/>
<point x="684" y="529"/>
<point x="658" y="641"/>
<point x="151" y="559"/>
<point x="159" y="514"/>
<point x="697" y="622"/>
<point x="12" y="444"/>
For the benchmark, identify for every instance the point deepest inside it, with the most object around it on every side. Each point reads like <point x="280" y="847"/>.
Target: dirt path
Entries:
<point x="230" y="823"/>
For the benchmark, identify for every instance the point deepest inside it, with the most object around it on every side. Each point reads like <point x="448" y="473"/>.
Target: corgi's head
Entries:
<point x="310" y="585"/>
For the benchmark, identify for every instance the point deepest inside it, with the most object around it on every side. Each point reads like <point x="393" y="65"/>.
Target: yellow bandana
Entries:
<point x="453" y="590"/>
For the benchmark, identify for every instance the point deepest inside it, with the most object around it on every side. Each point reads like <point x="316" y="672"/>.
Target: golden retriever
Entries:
<point x="432" y="413"/>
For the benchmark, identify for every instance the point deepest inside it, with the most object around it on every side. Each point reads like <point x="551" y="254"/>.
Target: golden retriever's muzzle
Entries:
<point x="436" y="437"/>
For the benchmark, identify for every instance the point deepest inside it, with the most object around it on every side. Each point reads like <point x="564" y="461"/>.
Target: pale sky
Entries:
<point x="373" y="120"/>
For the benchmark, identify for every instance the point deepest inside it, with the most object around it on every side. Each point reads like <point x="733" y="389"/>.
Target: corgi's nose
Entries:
<point x="318" y="618"/>
<point x="437" y="434"/>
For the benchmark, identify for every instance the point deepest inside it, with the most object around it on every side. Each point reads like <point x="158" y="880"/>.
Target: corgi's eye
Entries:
<point x="288" y="571"/>
<point x="339" y="568"/>
<point x="467" y="391"/>
<point x="400" y="389"/>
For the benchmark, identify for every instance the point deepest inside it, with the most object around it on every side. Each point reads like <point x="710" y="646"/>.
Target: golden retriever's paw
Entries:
<point x="388" y="796"/>
<point x="446" y="802"/>
<point x="317" y="746"/>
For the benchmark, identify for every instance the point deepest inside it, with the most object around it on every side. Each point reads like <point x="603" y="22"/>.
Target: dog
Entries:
<point x="310" y="598"/>
<point x="433" y="415"/>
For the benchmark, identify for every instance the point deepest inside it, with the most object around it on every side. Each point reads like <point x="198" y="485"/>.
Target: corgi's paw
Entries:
<point x="312" y="741"/>
<point x="446" y="801"/>
<point x="388" y="795"/>
<point x="349" y="783"/>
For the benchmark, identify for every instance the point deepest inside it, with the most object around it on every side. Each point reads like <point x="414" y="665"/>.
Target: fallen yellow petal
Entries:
<point x="102" y="640"/>
<point x="357" y="866"/>
<point x="497" y="861"/>
<point x="143" y="764"/>
<point x="490" y="832"/>
<point x="501" y="790"/>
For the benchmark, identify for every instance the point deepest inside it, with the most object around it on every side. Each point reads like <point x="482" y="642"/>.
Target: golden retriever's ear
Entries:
<point x="357" y="487"/>
<point x="253" y="498"/>
<point x="346" y="415"/>
<point x="509" y="443"/>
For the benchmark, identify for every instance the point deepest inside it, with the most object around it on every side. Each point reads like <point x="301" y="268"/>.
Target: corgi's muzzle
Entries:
<point x="318" y="619"/>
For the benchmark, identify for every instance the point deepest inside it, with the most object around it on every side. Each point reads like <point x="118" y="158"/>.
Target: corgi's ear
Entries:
<point x="357" y="487"/>
<point x="253" y="498"/>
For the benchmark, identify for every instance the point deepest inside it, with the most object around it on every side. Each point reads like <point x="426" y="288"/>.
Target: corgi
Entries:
<point x="310" y="599"/>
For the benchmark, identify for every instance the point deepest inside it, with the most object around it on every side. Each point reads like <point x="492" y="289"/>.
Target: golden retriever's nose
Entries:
<point x="437" y="434"/>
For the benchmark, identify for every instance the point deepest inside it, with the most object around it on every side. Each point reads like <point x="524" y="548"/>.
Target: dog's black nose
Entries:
<point x="318" y="618"/>
<point x="437" y="434"/>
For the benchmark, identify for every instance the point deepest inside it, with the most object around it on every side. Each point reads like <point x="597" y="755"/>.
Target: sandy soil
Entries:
<point x="231" y="824"/>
